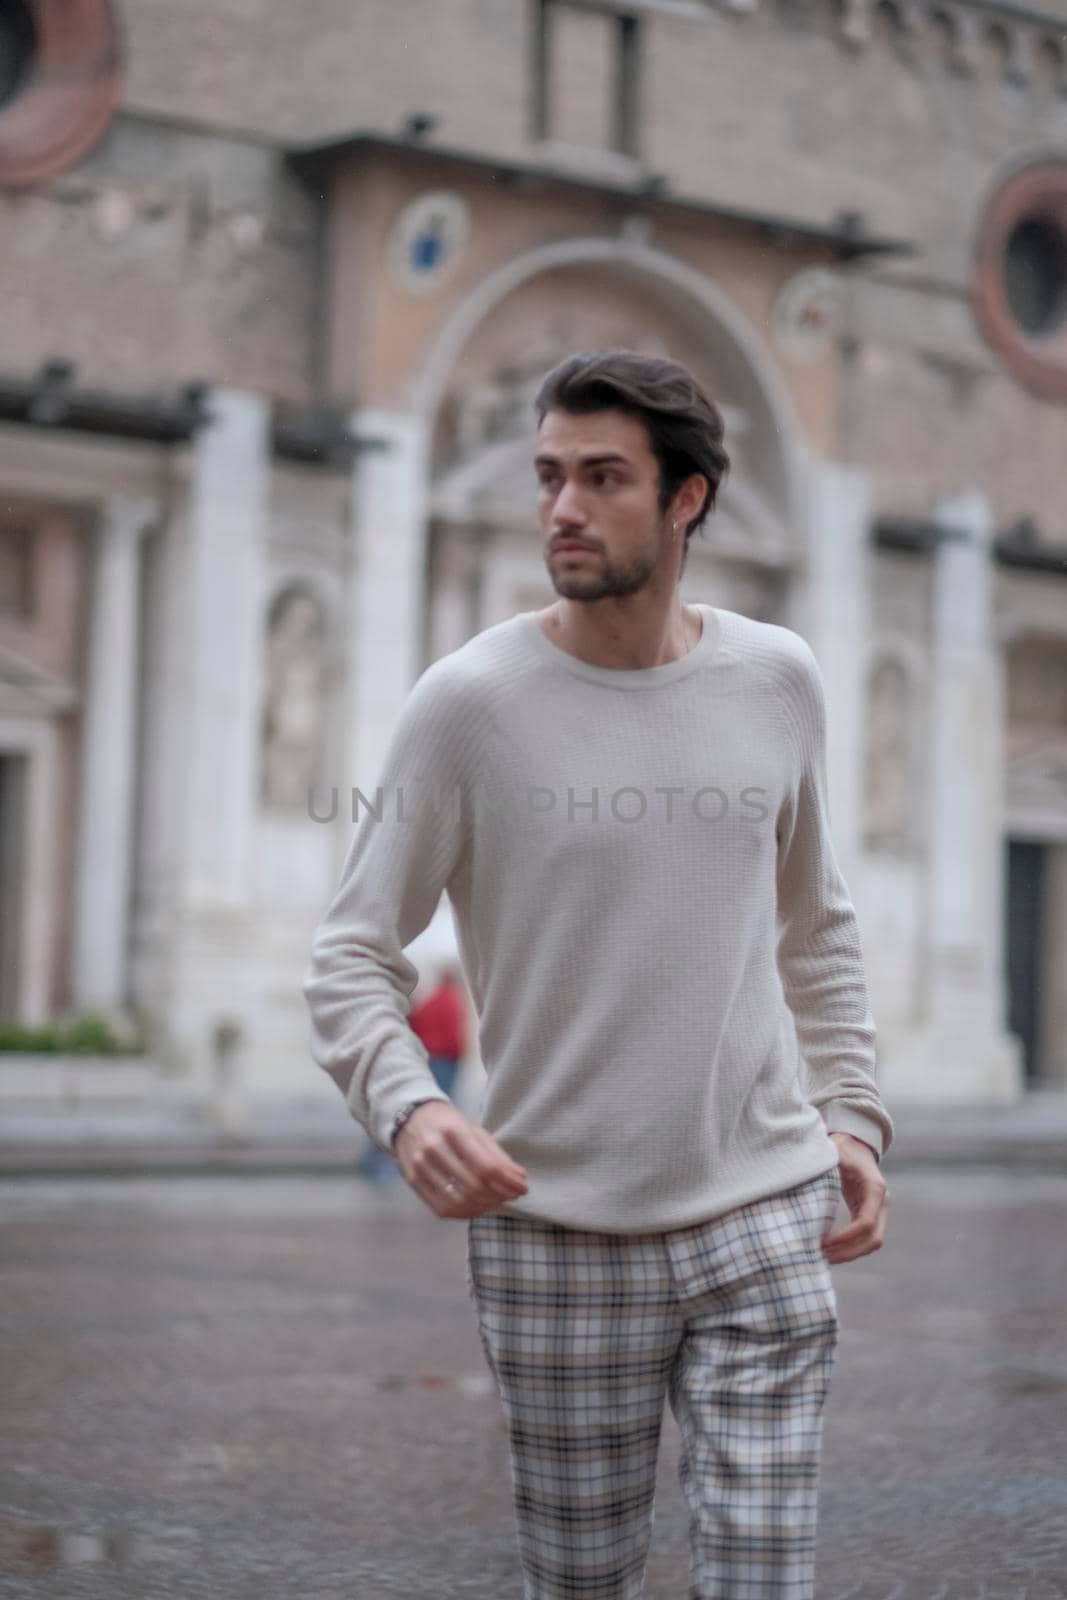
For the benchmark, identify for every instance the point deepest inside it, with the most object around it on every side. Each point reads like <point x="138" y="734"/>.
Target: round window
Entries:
<point x="1020" y="286"/>
<point x="18" y="46"/>
<point x="1035" y="275"/>
<point x="60" y="84"/>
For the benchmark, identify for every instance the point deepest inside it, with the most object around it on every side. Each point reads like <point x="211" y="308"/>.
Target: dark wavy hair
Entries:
<point x="685" y="427"/>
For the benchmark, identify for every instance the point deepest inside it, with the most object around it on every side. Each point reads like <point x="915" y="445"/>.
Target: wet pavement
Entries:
<point x="273" y="1386"/>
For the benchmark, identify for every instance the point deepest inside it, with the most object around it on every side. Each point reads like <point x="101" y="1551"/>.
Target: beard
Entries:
<point x="601" y="577"/>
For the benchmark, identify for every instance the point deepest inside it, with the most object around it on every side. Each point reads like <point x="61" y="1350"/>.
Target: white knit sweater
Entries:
<point x="661" y="949"/>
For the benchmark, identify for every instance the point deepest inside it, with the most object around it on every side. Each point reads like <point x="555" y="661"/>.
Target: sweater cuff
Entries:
<point x="846" y="1119"/>
<point x="388" y="1107"/>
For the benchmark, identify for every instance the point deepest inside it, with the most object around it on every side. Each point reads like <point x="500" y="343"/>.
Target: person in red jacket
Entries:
<point x="440" y="1022"/>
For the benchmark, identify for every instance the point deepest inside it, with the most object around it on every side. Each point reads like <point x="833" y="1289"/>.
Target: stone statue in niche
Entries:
<point x="291" y="731"/>
<point x="886" y="772"/>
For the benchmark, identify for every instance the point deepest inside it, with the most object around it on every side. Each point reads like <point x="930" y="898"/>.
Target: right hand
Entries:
<point x="438" y="1144"/>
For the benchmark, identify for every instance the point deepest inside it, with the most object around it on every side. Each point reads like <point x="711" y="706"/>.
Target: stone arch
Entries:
<point x="760" y="523"/>
<point x="677" y="284"/>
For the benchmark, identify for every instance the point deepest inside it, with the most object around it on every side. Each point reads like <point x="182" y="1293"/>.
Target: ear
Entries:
<point x="690" y="498"/>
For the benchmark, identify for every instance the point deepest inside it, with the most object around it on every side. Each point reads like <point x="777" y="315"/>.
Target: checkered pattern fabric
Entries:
<point x="733" y="1320"/>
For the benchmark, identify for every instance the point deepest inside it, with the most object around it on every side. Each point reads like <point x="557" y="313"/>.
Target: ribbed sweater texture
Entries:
<point x="662" y="952"/>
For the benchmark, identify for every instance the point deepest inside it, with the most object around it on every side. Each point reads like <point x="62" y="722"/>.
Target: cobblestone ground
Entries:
<point x="274" y="1387"/>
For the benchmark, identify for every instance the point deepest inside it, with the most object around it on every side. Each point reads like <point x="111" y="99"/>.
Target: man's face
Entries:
<point x="599" y="485"/>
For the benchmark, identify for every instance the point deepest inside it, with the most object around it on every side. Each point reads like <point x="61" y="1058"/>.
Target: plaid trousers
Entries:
<point x="734" y="1321"/>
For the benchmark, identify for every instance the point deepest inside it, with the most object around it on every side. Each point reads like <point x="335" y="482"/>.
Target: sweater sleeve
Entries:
<point x="407" y="846"/>
<point x="819" y="953"/>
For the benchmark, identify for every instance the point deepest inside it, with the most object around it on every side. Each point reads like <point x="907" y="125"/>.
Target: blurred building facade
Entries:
<point x="279" y="285"/>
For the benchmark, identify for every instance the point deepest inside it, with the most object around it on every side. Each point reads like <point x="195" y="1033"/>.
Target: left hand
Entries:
<point x="867" y="1198"/>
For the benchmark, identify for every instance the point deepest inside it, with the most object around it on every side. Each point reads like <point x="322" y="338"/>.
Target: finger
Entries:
<point x="472" y="1164"/>
<point x="484" y="1178"/>
<point x="861" y="1236"/>
<point x="503" y="1173"/>
<point x="856" y="1245"/>
<point x="840" y="1257"/>
<point x="501" y="1159"/>
<point x="496" y="1179"/>
<point x="462" y="1192"/>
<point x="852" y="1242"/>
<point x="861" y="1228"/>
<point x="448" y="1196"/>
<point x="872" y="1205"/>
<point x="492" y="1166"/>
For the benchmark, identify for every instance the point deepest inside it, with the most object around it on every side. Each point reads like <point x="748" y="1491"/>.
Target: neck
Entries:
<point x="614" y="633"/>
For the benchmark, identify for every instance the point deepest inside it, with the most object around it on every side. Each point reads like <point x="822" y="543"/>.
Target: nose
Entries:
<point x="568" y="512"/>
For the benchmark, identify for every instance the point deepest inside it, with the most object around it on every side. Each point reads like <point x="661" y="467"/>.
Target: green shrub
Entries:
<point x="90" y="1036"/>
<point x="85" y="1035"/>
<point x="41" y="1041"/>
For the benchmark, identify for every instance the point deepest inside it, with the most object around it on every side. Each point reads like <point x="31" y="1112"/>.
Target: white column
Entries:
<point x="225" y="530"/>
<point x="829" y="606"/>
<point x="961" y="1052"/>
<point x="388" y="579"/>
<point x="35" y="739"/>
<point x="105" y="855"/>
<point x="458" y="555"/>
<point x="214" y="964"/>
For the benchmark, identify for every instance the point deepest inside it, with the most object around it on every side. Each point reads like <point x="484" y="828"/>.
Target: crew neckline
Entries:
<point x="702" y="652"/>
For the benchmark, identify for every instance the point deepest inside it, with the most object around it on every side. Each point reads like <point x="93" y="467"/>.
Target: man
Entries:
<point x="629" y="814"/>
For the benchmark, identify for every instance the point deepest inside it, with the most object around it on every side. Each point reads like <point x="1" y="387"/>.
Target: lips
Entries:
<point x="571" y="549"/>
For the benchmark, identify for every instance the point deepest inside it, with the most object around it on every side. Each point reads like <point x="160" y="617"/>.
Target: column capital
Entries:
<point x="965" y="518"/>
<point x="235" y="407"/>
<point x="963" y="576"/>
<point x="129" y="516"/>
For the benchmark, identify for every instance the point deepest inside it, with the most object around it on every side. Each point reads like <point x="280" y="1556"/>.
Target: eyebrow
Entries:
<point x="583" y="461"/>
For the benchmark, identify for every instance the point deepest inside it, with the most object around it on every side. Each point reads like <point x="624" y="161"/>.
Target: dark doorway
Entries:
<point x="13" y="770"/>
<point x="1024" y="902"/>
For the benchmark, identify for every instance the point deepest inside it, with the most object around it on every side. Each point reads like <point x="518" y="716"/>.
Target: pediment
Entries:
<point x="27" y="690"/>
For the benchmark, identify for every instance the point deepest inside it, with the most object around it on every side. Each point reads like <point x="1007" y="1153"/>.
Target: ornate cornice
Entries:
<point x="1024" y="43"/>
<point x="1017" y="546"/>
<point x="846" y="237"/>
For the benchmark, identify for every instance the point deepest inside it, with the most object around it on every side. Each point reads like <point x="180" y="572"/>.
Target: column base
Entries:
<point x="949" y="1064"/>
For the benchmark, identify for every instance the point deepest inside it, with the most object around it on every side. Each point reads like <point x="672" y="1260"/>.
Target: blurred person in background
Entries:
<point x="440" y="1021"/>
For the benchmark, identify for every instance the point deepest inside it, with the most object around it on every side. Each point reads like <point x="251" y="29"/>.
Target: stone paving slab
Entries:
<point x="274" y="1387"/>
